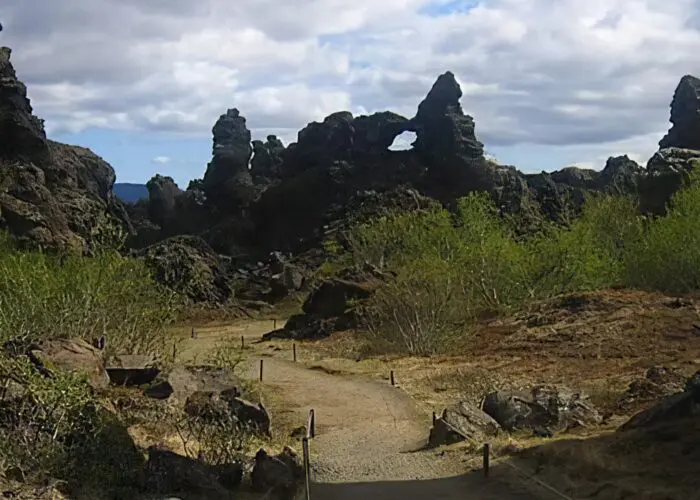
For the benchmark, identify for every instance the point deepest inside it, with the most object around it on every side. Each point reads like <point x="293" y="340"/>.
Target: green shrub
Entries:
<point x="668" y="257"/>
<point x="43" y="296"/>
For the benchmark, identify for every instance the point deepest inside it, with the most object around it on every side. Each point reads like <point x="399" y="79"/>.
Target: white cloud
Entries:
<point x="588" y="76"/>
<point x="162" y="160"/>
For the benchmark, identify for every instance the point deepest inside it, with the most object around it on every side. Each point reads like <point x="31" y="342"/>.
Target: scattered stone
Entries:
<point x="544" y="407"/>
<point x="132" y="369"/>
<point x="221" y="406"/>
<point x="71" y="355"/>
<point x="183" y="381"/>
<point x="460" y="422"/>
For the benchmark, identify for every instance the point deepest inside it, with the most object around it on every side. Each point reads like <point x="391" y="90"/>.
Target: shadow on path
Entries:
<point x="470" y="486"/>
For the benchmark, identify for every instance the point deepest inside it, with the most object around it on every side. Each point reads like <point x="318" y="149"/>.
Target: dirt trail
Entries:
<point x="368" y="436"/>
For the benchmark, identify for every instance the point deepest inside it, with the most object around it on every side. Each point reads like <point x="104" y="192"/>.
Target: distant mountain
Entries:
<point x="129" y="192"/>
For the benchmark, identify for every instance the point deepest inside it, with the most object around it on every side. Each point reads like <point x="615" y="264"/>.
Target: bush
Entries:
<point x="668" y="257"/>
<point x="55" y="428"/>
<point x="44" y="297"/>
<point x="454" y="267"/>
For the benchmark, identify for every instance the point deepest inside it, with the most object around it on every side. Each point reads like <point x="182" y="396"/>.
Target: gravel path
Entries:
<point x="368" y="440"/>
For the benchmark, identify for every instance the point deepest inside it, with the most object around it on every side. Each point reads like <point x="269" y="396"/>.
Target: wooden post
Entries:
<point x="194" y="334"/>
<point x="174" y="351"/>
<point x="242" y="342"/>
<point x="294" y="351"/>
<point x="261" y="370"/>
<point x="434" y="418"/>
<point x="274" y="324"/>
<point x="486" y="459"/>
<point x="307" y="467"/>
<point x="392" y="378"/>
<point x="312" y="426"/>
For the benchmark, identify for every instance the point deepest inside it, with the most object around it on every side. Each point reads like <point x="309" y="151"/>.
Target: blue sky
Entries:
<point x="549" y="83"/>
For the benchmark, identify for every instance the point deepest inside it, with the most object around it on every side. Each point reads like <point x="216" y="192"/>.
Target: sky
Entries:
<point x="550" y="83"/>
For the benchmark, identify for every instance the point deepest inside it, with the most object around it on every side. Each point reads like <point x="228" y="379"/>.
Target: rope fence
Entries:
<point x="486" y="462"/>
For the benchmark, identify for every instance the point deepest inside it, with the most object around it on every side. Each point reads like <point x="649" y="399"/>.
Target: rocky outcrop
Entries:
<point x="667" y="171"/>
<point x="267" y="160"/>
<point x="446" y="142"/>
<point x="189" y="266"/>
<point x="52" y="195"/>
<point x="331" y="307"/>
<point x="460" y="422"/>
<point x="544" y="409"/>
<point x="227" y="181"/>
<point x="681" y="405"/>
<point x="685" y="116"/>
<point x="162" y="196"/>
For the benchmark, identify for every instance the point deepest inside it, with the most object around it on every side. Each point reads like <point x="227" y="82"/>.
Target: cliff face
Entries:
<point x="52" y="195"/>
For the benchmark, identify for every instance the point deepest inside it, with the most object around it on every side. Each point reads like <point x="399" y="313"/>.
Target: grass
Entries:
<point x="59" y="428"/>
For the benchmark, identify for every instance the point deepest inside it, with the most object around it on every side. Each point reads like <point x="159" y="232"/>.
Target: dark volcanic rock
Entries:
<point x="267" y="160"/>
<point x="685" y="116"/>
<point x="330" y="307"/>
<point x="685" y="404"/>
<point x="188" y="265"/>
<point x="446" y="141"/>
<point x="460" y="422"/>
<point x="552" y="408"/>
<point x="278" y="475"/>
<point x="667" y="171"/>
<point x="227" y="182"/>
<point x="168" y="472"/>
<point x="162" y="195"/>
<point x="51" y="195"/>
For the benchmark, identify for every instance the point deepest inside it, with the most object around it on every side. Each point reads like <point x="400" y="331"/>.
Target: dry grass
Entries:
<point x="597" y="342"/>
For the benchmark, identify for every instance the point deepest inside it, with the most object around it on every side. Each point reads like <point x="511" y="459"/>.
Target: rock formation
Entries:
<point x="52" y="195"/>
<point x="267" y="160"/>
<point x="685" y="116"/>
<point x="227" y="182"/>
<point x="162" y="194"/>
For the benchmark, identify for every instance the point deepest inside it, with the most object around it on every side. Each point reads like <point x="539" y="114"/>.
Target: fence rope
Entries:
<point x="509" y="464"/>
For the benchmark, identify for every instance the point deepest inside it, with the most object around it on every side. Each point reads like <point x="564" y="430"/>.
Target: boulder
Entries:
<point x="333" y="297"/>
<point x="71" y="356"/>
<point x="544" y="407"/>
<point x="170" y="473"/>
<point x="132" y="369"/>
<point x="460" y="422"/>
<point x="226" y="405"/>
<point x="685" y="116"/>
<point x="279" y="475"/>
<point x="53" y="196"/>
<point x="183" y="381"/>
<point x="189" y="266"/>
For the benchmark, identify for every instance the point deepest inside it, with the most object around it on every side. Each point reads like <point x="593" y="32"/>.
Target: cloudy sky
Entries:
<point x="550" y="83"/>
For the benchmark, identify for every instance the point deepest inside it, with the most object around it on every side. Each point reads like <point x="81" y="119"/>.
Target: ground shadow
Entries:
<point x="472" y="486"/>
